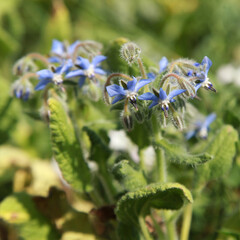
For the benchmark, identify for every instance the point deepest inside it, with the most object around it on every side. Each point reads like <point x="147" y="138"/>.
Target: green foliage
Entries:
<point x="99" y="150"/>
<point x="170" y="196"/>
<point x="223" y="149"/>
<point x="178" y="154"/>
<point x="67" y="150"/>
<point x="19" y="210"/>
<point x="129" y="177"/>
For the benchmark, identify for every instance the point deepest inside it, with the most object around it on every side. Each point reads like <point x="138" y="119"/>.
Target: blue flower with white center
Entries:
<point x="161" y="98"/>
<point x="55" y="76"/>
<point x="201" y="128"/>
<point x="88" y="70"/>
<point x="60" y="51"/>
<point x="22" y="88"/>
<point x="163" y="64"/>
<point x="130" y="92"/>
<point x="203" y="75"/>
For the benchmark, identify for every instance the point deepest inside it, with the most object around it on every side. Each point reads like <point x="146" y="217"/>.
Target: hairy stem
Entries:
<point x="144" y="228"/>
<point x="187" y="217"/>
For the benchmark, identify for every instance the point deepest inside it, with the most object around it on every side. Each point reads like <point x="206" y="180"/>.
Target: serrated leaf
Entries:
<point x="19" y="210"/>
<point x="128" y="176"/>
<point x="223" y="149"/>
<point x="67" y="149"/>
<point x="160" y="195"/>
<point x="178" y="154"/>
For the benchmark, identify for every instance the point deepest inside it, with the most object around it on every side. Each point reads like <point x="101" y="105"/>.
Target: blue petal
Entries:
<point x="131" y="84"/>
<point x="54" y="60"/>
<point x="81" y="81"/>
<point x="197" y="87"/>
<point x="209" y="119"/>
<point x="163" y="64"/>
<point x="151" y="75"/>
<point x="162" y="94"/>
<point x="118" y="98"/>
<point x="154" y="103"/>
<point x="18" y="93"/>
<point x="71" y="48"/>
<point x="44" y="74"/>
<point x="206" y="61"/>
<point x="114" y="90"/>
<point x="190" y="73"/>
<point x="98" y="59"/>
<point x="42" y="84"/>
<point x="148" y="96"/>
<point x="174" y="93"/>
<point x="190" y="134"/>
<point x="57" y="47"/>
<point x="65" y="67"/>
<point x="142" y="83"/>
<point x="75" y="73"/>
<point x="82" y="62"/>
<point x="99" y="71"/>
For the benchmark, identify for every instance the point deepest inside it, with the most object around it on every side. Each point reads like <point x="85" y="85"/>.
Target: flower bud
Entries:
<point x="24" y="65"/>
<point x="139" y="116"/>
<point x="130" y="52"/>
<point x="128" y="121"/>
<point x="177" y="121"/>
<point x="22" y="88"/>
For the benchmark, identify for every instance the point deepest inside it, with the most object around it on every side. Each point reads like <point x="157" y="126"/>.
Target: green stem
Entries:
<point x="161" y="165"/>
<point x="144" y="229"/>
<point x="187" y="217"/>
<point x="142" y="69"/>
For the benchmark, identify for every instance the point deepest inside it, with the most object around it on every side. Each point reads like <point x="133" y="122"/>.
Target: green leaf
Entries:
<point x="223" y="149"/>
<point x="19" y="210"/>
<point x="67" y="150"/>
<point x="178" y="154"/>
<point x="170" y="196"/>
<point x="99" y="150"/>
<point x="128" y="176"/>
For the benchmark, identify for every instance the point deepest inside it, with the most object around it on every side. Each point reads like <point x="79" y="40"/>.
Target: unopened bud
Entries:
<point x="139" y="116"/>
<point x="177" y="121"/>
<point x="128" y="121"/>
<point x="130" y="52"/>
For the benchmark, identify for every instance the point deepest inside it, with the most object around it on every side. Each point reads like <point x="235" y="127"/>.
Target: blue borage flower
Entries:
<point x="161" y="98"/>
<point x="88" y="70"/>
<point x="163" y="63"/>
<point x="60" y="51"/>
<point x="55" y="76"/>
<point x="203" y="75"/>
<point x="201" y="128"/>
<point x="130" y="92"/>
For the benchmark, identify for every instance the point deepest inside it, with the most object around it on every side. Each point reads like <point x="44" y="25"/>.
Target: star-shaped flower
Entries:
<point x="88" y="70"/>
<point x="55" y="76"/>
<point x="203" y="75"/>
<point x="60" y="51"/>
<point x="129" y="91"/>
<point x="161" y="98"/>
<point x="201" y="128"/>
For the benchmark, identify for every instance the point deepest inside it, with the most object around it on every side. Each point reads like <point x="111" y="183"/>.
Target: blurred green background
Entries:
<point x="176" y="28"/>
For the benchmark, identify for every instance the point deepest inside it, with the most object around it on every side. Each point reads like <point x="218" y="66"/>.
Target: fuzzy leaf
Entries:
<point x="177" y="154"/>
<point x="67" y="150"/>
<point x="19" y="210"/>
<point x="161" y="196"/>
<point x="128" y="176"/>
<point x="223" y="149"/>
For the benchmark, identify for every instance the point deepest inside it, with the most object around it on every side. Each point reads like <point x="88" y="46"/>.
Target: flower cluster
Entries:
<point x="165" y="90"/>
<point x="66" y="63"/>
